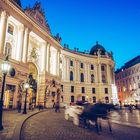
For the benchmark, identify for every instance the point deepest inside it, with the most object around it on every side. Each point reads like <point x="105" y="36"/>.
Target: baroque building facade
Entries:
<point x="128" y="82"/>
<point x="61" y="74"/>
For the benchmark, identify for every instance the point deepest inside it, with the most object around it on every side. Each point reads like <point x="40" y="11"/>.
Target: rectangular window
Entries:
<point x="93" y="90"/>
<point x="83" y="98"/>
<point x="102" y="68"/>
<point x="72" y="99"/>
<point x="72" y="89"/>
<point x="82" y="65"/>
<point x="83" y="89"/>
<point x="10" y="29"/>
<point x="139" y="85"/>
<point x="92" y="67"/>
<point x="106" y="90"/>
<point x="62" y="88"/>
<point x="71" y="63"/>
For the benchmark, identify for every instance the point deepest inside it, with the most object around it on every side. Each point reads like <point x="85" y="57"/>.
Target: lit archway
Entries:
<point x="33" y="70"/>
<point x="33" y="76"/>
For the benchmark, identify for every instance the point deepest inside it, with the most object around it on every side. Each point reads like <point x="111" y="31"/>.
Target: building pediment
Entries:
<point x="38" y="14"/>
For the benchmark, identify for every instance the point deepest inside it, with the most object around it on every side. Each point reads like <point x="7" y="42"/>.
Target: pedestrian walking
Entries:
<point x="131" y="108"/>
<point x="32" y="107"/>
<point x="54" y="105"/>
<point x="57" y="107"/>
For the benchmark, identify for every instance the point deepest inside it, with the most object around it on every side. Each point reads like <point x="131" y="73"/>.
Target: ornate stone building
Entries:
<point x="128" y="82"/>
<point x="61" y="74"/>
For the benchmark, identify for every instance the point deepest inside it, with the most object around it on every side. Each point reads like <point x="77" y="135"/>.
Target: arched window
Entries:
<point x="94" y="99"/>
<point x="92" y="78"/>
<point x="82" y="77"/>
<point x="71" y="76"/>
<point x="106" y="99"/>
<point x="102" y="68"/>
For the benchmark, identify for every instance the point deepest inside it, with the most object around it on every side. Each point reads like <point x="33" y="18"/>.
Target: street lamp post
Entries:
<point x="26" y="86"/>
<point x="5" y="67"/>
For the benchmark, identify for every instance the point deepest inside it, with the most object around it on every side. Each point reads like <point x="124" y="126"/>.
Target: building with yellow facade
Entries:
<point x="60" y="73"/>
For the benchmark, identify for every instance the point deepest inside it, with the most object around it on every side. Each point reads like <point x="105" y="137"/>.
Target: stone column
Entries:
<point x="26" y="45"/>
<point x="88" y="73"/>
<point x="100" y="73"/>
<point x="20" y="42"/>
<point x="96" y="73"/>
<point x="108" y="74"/>
<point x="113" y="76"/>
<point x="75" y="70"/>
<point x="3" y="31"/>
<point x="68" y="70"/>
<point x="58" y="62"/>
<point x="44" y="56"/>
<point x="48" y="57"/>
<point x="78" y="71"/>
<point x="65" y="68"/>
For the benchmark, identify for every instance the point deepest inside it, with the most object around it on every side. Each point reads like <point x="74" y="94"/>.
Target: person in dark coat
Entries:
<point x="19" y="106"/>
<point x="57" y="107"/>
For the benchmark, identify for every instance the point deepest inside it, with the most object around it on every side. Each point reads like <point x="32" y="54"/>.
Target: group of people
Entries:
<point x="56" y="105"/>
<point x="19" y="106"/>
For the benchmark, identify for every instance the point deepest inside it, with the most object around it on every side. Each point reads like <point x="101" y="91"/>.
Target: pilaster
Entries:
<point x="20" y="39"/>
<point x="26" y="45"/>
<point x="4" y="17"/>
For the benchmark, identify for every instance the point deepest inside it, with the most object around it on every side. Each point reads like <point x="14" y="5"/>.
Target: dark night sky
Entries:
<point x="114" y="23"/>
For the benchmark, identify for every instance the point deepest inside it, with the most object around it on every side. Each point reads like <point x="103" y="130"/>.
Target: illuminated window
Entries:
<point x="106" y="100"/>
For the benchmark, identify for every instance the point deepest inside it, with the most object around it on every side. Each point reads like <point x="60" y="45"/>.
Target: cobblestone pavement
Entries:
<point x="11" y="118"/>
<point x="52" y="126"/>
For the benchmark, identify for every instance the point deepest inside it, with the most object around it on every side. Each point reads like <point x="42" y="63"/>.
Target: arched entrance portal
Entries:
<point x="33" y="78"/>
<point x="33" y="70"/>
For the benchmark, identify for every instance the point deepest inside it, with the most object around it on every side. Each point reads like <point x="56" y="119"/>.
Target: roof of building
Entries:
<point x="38" y="14"/>
<point x="94" y="50"/>
<point x="18" y="2"/>
<point x="129" y="64"/>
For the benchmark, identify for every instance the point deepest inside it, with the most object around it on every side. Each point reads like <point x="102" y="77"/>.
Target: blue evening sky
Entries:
<point x="80" y="23"/>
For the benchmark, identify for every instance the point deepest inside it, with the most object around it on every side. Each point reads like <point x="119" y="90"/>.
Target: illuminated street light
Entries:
<point x="5" y="67"/>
